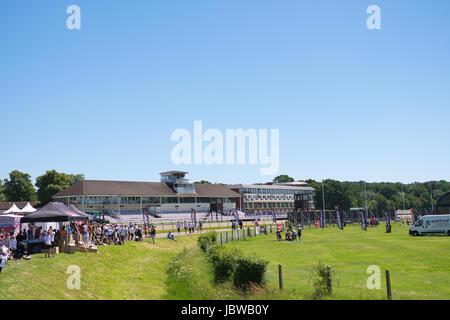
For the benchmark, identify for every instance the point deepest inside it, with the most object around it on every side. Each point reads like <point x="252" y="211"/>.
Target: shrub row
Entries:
<point x="233" y="265"/>
<point x="207" y="240"/>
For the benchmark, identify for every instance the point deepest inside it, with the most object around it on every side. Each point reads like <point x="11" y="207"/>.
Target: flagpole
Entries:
<point x="403" y="197"/>
<point x="431" y="196"/>
<point x="323" y="198"/>
<point x="365" y="197"/>
<point x="323" y="202"/>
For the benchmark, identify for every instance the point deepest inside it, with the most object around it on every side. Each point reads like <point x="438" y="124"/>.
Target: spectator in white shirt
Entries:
<point x="47" y="244"/>
<point x="3" y="259"/>
<point x="13" y="245"/>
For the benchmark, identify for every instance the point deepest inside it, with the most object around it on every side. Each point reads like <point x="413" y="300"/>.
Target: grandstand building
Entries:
<point x="174" y="194"/>
<point x="262" y="198"/>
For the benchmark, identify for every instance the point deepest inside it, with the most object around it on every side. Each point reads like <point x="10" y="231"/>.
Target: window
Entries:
<point x="187" y="200"/>
<point x="419" y="223"/>
<point x="130" y="200"/>
<point x="169" y="200"/>
<point x="150" y="200"/>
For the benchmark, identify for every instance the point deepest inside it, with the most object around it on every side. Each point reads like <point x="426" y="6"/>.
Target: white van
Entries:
<point x="431" y="224"/>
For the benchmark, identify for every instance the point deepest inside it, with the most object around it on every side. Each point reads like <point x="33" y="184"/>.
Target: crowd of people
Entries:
<point x="190" y="227"/>
<point x="290" y="233"/>
<point x="14" y="247"/>
<point x="116" y="234"/>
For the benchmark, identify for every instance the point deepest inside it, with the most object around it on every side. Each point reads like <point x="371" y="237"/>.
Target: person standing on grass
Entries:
<point x="185" y="226"/>
<point x="47" y="244"/>
<point x="146" y="230"/>
<point x="13" y="245"/>
<point x="37" y="233"/>
<point x="299" y="232"/>
<point x="178" y="226"/>
<point x="51" y="235"/>
<point x="123" y="233"/>
<point x="3" y="259"/>
<point x="86" y="234"/>
<point x="153" y="233"/>
<point x="62" y="238"/>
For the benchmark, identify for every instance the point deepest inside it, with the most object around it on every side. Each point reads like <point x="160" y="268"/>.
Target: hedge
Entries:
<point x="249" y="270"/>
<point x="207" y="240"/>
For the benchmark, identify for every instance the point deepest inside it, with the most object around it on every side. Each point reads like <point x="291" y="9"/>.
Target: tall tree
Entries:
<point x="2" y="195"/>
<point x="283" y="178"/>
<point x="53" y="182"/>
<point x="19" y="187"/>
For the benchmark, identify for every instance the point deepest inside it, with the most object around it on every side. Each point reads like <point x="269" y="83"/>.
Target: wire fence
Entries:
<point x="298" y="281"/>
<point x="241" y="234"/>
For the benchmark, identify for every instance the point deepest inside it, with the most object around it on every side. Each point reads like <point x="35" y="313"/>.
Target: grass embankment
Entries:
<point x="133" y="271"/>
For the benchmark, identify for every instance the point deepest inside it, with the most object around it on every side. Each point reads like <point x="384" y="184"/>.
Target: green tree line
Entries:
<point x="19" y="187"/>
<point x="380" y="195"/>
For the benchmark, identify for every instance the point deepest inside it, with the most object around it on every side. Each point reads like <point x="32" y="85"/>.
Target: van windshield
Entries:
<point x="419" y="223"/>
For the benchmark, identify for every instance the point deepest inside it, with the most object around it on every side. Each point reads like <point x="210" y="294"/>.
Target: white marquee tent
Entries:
<point x="13" y="209"/>
<point x="28" y="209"/>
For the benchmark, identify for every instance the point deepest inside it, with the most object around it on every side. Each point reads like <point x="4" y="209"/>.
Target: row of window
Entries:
<point x="268" y="205"/>
<point x="98" y="200"/>
<point x="271" y="191"/>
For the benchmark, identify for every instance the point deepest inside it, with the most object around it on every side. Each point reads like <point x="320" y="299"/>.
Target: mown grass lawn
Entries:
<point x="419" y="266"/>
<point x="133" y="271"/>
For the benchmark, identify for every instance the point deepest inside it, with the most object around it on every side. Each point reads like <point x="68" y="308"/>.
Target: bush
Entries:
<point x="222" y="261"/>
<point x="207" y="240"/>
<point x="249" y="270"/>
<point x="320" y="280"/>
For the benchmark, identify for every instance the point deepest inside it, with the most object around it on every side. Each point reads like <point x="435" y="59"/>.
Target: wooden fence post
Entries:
<point x="388" y="285"/>
<point x="329" y="287"/>
<point x="280" y="277"/>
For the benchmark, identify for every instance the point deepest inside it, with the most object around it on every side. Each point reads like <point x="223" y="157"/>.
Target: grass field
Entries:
<point x="420" y="268"/>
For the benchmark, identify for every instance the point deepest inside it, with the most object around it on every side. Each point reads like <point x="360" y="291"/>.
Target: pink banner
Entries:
<point x="10" y="224"/>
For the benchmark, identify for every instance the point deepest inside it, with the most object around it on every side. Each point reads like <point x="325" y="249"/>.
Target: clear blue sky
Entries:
<point x="350" y="103"/>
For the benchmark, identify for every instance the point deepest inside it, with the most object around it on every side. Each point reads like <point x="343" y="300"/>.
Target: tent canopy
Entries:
<point x="78" y="211"/>
<point x="10" y="216"/>
<point x="53" y="212"/>
<point x="13" y="209"/>
<point x="28" y="209"/>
